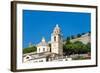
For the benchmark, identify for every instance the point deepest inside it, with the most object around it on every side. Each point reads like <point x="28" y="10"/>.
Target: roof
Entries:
<point x="43" y="55"/>
<point x="43" y="43"/>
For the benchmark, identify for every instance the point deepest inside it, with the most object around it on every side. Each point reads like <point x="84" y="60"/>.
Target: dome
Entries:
<point x="43" y="42"/>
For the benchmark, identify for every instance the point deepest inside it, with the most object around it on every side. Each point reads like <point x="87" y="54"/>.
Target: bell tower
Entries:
<point x="56" y="41"/>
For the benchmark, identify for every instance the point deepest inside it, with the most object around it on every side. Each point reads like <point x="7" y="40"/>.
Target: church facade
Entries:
<point x="45" y="52"/>
<point x="56" y="43"/>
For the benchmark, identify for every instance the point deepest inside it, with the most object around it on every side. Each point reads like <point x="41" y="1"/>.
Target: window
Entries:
<point x="27" y="57"/>
<point x="41" y="61"/>
<point x="54" y="38"/>
<point x="39" y="49"/>
<point x="50" y="50"/>
<point x="43" y="49"/>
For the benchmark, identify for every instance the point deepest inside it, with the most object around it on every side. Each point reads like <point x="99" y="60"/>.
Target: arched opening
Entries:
<point x="54" y="38"/>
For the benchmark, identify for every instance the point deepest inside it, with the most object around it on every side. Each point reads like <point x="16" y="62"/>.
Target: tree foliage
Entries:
<point x="78" y="35"/>
<point x="67" y="40"/>
<point x="29" y="49"/>
<point x="72" y="36"/>
<point x="76" y="48"/>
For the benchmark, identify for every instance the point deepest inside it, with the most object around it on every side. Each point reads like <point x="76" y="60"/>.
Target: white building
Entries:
<point x="44" y="52"/>
<point x="43" y="46"/>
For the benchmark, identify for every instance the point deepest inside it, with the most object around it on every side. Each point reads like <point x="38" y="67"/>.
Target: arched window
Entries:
<point x="27" y="57"/>
<point x="55" y="38"/>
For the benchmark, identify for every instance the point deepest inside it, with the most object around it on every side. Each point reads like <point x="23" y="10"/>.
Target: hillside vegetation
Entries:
<point x="76" y="44"/>
<point x="29" y="49"/>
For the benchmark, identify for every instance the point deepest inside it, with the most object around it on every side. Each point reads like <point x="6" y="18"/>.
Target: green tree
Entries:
<point x="29" y="49"/>
<point x="67" y="40"/>
<point x="88" y="47"/>
<point x="78" y="35"/>
<point x="72" y="37"/>
<point x="80" y="47"/>
<point x="76" y="48"/>
<point x="83" y="33"/>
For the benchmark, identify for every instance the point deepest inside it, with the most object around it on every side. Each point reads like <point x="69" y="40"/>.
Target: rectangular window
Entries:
<point x="43" y="49"/>
<point x="39" y="49"/>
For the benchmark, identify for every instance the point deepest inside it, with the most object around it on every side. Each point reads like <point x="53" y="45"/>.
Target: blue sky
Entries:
<point x="38" y="24"/>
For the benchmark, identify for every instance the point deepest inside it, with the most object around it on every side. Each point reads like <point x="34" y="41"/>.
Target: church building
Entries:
<point x="43" y="46"/>
<point x="46" y="52"/>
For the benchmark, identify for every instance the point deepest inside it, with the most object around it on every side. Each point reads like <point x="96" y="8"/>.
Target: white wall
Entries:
<point x="5" y="38"/>
<point x="35" y="60"/>
<point x="41" y="49"/>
